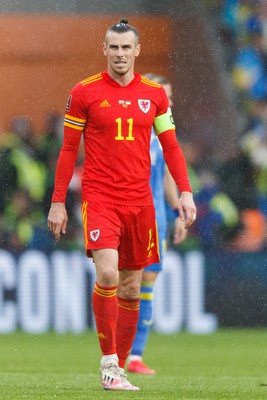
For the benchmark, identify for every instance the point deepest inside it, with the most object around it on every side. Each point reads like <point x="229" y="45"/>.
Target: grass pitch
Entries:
<point x="230" y="364"/>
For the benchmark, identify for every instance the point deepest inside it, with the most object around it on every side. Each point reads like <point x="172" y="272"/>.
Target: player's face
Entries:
<point x="121" y="50"/>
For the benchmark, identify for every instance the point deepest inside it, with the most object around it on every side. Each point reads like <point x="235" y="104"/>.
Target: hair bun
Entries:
<point x="123" y="21"/>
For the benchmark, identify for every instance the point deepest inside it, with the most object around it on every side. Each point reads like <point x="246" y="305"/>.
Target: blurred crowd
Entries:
<point x="27" y="167"/>
<point x="231" y="195"/>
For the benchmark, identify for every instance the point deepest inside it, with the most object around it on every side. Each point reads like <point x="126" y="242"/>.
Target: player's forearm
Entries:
<point x="175" y="160"/>
<point x="64" y="172"/>
<point x="170" y="190"/>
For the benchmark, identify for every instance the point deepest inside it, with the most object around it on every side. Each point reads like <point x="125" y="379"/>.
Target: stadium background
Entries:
<point x="218" y="276"/>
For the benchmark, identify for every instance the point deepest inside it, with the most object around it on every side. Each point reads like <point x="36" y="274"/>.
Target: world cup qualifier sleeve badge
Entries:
<point x="94" y="235"/>
<point x="68" y="103"/>
<point x="144" y="105"/>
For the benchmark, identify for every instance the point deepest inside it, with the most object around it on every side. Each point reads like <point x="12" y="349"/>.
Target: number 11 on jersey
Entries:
<point x="130" y="130"/>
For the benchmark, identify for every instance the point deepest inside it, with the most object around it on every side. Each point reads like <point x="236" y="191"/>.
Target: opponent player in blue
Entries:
<point x="163" y="187"/>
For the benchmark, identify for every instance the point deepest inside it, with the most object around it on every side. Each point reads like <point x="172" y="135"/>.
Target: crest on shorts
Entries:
<point x="144" y="105"/>
<point x="94" y="235"/>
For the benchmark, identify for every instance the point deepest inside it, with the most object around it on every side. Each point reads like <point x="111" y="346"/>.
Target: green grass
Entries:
<point x="230" y="364"/>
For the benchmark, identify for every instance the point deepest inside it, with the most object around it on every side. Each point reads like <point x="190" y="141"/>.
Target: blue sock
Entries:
<point x="145" y="319"/>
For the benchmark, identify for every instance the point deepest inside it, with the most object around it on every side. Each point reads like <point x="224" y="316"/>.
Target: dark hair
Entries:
<point x="123" y="26"/>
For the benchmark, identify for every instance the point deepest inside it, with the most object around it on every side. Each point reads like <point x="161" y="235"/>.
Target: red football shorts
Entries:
<point x="129" y="229"/>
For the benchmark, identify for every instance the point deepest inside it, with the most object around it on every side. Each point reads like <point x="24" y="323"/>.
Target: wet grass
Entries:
<point x="230" y="364"/>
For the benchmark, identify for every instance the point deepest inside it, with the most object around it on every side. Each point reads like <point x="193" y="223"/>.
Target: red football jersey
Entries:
<point x="116" y="124"/>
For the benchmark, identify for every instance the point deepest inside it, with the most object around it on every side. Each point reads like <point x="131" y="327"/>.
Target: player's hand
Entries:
<point x="187" y="208"/>
<point x="180" y="232"/>
<point x="57" y="219"/>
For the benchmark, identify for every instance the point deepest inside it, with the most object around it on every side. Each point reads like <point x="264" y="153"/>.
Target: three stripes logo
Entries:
<point x="105" y="103"/>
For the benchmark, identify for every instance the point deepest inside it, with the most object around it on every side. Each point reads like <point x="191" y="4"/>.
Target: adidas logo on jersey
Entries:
<point x="105" y="103"/>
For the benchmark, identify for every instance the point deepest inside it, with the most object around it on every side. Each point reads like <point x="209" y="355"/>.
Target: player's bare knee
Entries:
<point x="129" y="289"/>
<point x="108" y="277"/>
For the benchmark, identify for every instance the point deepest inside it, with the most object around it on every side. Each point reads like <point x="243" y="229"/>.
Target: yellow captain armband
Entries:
<point x="164" y="123"/>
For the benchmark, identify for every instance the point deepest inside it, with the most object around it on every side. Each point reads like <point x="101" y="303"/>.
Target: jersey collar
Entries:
<point x="133" y="83"/>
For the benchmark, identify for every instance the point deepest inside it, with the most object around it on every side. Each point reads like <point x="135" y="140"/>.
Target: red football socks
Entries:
<point x="105" y="306"/>
<point x="116" y="321"/>
<point x="126" y="327"/>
